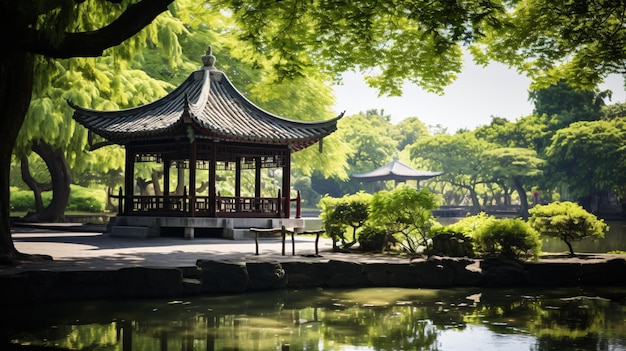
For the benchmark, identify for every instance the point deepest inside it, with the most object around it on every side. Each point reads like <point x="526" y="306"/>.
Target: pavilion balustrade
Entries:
<point x="225" y="206"/>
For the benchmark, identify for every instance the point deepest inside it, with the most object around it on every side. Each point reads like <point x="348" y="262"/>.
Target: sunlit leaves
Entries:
<point x="567" y="221"/>
<point x="589" y="156"/>
<point x="392" y="41"/>
<point x="579" y="41"/>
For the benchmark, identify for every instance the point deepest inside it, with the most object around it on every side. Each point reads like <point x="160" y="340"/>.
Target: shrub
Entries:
<point x="340" y="213"/>
<point x="373" y="239"/>
<point x="81" y="200"/>
<point x="510" y="237"/>
<point x="22" y="200"/>
<point x="567" y="221"/>
<point x="405" y="211"/>
<point x="468" y="225"/>
<point x="451" y="244"/>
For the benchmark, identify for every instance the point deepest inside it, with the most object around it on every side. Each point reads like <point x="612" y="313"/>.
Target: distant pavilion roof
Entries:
<point x="397" y="171"/>
<point x="208" y="102"/>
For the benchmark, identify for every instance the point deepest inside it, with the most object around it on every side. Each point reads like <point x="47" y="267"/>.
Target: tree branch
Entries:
<point x="92" y="44"/>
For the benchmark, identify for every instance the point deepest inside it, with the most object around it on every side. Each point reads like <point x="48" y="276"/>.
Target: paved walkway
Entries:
<point x="77" y="247"/>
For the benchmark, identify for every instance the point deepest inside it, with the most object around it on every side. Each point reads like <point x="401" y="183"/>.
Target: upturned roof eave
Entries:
<point x="190" y="102"/>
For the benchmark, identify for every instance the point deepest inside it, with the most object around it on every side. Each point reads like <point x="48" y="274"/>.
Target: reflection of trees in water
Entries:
<point x="574" y="323"/>
<point x="404" y="327"/>
<point x="330" y="319"/>
<point x="577" y="323"/>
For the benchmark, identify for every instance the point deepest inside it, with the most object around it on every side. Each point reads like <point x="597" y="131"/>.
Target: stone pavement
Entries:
<point x="82" y="247"/>
<point x="89" y="263"/>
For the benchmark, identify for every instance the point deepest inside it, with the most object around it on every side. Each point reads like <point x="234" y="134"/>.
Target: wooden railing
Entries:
<point x="225" y="206"/>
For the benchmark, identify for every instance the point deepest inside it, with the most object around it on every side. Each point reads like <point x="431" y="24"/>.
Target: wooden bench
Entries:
<point x="283" y="232"/>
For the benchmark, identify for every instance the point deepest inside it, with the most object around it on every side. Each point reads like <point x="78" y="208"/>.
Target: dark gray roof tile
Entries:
<point x="215" y="107"/>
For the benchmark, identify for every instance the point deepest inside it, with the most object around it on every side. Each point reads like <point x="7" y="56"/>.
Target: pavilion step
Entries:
<point x="127" y="231"/>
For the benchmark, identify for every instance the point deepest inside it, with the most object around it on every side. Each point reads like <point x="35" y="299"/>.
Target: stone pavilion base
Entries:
<point x="190" y="227"/>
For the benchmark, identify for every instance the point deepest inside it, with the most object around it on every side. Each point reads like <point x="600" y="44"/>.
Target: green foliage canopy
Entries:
<point x="589" y="156"/>
<point x="387" y="36"/>
<point x="459" y="156"/>
<point x="567" y="221"/>
<point x="510" y="237"/>
<point x="579" y="41"/>
<point x="405" y="211"/>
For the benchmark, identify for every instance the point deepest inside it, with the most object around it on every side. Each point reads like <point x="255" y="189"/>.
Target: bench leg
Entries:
<point x="283" y="233"/>
<point x="317" y="241"/>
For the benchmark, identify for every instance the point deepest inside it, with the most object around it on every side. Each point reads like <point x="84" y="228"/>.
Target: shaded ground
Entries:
<point x="87" y="248"/>
<point x="77" y="247"/>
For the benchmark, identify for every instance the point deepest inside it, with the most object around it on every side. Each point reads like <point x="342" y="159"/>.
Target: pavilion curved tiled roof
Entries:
<point x="396" y="170"/>
<point x="208" y="102"/>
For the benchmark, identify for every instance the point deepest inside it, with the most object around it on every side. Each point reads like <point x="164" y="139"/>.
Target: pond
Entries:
<point x="333" y="319"/>
<point x="614" y="239"/>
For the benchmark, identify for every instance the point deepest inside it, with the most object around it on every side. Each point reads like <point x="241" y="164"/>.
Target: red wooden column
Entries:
<point x="129" y="180"/>
<point x="212" y="170"/>
<point x="238" y="184"/>
<point x="193" y="160"/>
<point x="166" y="184"/>
<point x="257" y="177"/>
<point x="287" y="182"/>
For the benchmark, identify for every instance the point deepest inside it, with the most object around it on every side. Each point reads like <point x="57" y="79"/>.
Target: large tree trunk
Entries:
<point x="60" y="180"/>
<point x="33" y="184"/>
<point x="523" y="199"/>
<point x="16" y="77"/>
<point x="476" y="208"/>
<point x="156" y="175"/>
<point x="16" y="82"/>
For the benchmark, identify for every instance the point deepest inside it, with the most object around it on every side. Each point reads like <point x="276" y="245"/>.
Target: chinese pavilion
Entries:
<point x="203" y="127"/>
<point x="396" y="171"/>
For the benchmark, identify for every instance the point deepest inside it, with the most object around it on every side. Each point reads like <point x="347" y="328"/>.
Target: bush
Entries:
<point x="338" y="214"/>
<point x="470" y="224"/>
<point x="81" y="200"/>
<point x="373" y="239"/>
<point x="24" y="200"/>
<point x="408" y="212"/>
<point x="86" y="200"/>
<point x="451" y="244"/>
<point x="509" y="237"/>
<point x="567" y="221"/>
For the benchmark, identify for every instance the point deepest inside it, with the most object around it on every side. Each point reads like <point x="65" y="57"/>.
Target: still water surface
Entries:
<point x="329" y="319"/>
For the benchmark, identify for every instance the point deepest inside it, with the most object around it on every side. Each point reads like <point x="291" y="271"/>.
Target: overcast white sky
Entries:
<point x="478" y="94"/>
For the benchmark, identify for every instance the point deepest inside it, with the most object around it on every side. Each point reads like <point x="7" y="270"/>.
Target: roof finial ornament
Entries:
<point x="208" y="59"/>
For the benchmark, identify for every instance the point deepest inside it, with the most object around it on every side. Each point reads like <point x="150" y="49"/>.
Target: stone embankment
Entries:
<point x="210" y="277"/>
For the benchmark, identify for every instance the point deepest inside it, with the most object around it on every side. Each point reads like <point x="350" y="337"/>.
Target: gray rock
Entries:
<point x="223" y="276"/>
<point x="553" y="273"/>
<point x="611" y="272"/>
<point x="345" y="274"/>
<point x="266" y="275"/>
<point x="150" y="282"/>
<point x="433" y="273"/>
<point x="306" y="274"/>
<point x="500" y="271"/>
<point x="391" y="274"/>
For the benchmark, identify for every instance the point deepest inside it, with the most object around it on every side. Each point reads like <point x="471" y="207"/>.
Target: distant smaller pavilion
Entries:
<point x="396" y="171"/>
<point x="203" y="127"/>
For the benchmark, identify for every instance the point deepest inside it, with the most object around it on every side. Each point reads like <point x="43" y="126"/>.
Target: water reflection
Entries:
<point x="358" y="319"/>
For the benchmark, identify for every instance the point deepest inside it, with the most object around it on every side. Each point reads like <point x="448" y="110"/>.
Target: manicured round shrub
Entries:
<point x="85" y="204"/>
<point x="451" y="244"/>
<point x="373" y="239"/>
<point x="567" y="221"/>
<point x="22" y="200"/>
<point x="510" y="237"/>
